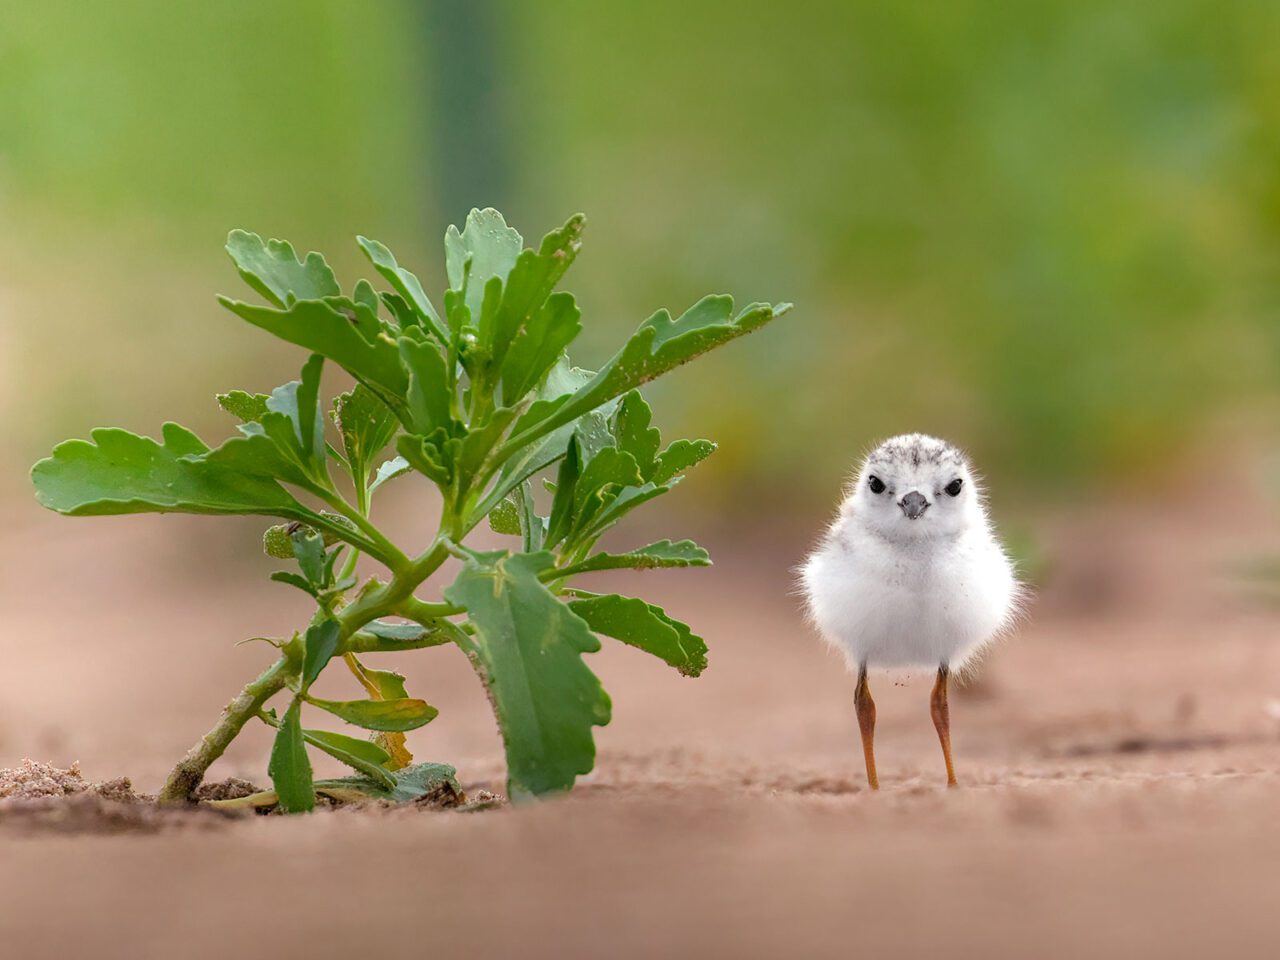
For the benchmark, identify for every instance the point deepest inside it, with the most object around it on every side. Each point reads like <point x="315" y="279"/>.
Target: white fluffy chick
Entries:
<point x="910" y="575"/>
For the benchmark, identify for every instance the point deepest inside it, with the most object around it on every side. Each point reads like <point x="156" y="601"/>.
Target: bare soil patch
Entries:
<point x="1119" y="764"/>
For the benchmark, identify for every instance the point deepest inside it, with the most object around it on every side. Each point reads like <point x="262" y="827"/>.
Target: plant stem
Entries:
<point x="187" y="775"/>
<point x="386" y="551"/>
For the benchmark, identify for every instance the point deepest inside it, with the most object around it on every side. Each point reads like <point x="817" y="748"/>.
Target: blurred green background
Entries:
<point x="1049" y="230"/>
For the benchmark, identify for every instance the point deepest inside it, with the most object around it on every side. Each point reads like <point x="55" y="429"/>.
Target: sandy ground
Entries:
<point x="1119" y="762"/>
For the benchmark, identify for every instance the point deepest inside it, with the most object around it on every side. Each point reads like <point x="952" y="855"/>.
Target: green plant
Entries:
<point x="480" y="400"/>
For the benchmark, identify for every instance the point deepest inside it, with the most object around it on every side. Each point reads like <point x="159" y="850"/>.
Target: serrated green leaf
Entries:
<point x="533" y="528"/>
<point x="321" y="644"/>
<point x="658" y="346"/>
<point x="290" y="769"/>
<point x="295" y="580"/>
<point x="404" y="315"/>
<point x="366" y="296"/>
<point x="505" y="518"/>
<point x="560" y="522"/>
<point x="390" y="715"/>
<point x="407" y="287"/>
<point x="426" y="456"/>
<point x="537" y="344"/>
<point x="592" y="431"/>
<point x="428" y="389"/>
<point x="121" y="472"/>
<point x="389" y="470"/>
<point x="411" y="783"/>
<point x="489" y="244"/>
<point x="274" y="270"/>
<point x="680" y="456"/>
<point x="287" y="443"/>
<point x="623" y="502"/>
<point x="308" y="549"/>
<point x="299" y="402"/>
<point x="246" y="407"/>
<point x="528" y="649"/>
<point x="525" y="330"/>
<point x="646" y="627"/>
<point x="367" y="425"/>
<point x="481" y="439"/>
<point x="609" y="475"/>
<point x="631" y="426"/>
<point x="664" y="553"/>
<point x="322" y="328"/>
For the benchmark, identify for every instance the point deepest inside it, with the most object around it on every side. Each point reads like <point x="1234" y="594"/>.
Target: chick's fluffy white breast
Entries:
<point x="910" y="573"/>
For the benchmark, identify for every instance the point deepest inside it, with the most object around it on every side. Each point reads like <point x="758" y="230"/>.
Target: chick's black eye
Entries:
<point x="877" y="485"/>
<point x="953" y="488"/>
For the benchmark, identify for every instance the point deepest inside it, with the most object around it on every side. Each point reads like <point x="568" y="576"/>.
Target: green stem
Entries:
<point x="189" y="772"/>
<point x="386" y="551"/>
<point x="418" y="610"/>
<point x="362" y="505"/>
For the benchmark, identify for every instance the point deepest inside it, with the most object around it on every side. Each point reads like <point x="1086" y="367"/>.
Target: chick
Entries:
<point x="910" y="575"/>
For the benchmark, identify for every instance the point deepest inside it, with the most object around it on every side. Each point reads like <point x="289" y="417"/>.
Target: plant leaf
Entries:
<point x="635" y="435"/>
<point x="608" y="475"/>
<point x="390" y="715"/>
<point x="680" y="456"/>
<point x="562" y="513"/>
<point x="274" y="270"/>
<point x="504" y="518"/>
<point x="411" y="783"/>
<point x="646" y="627"/>
<point x="121" y="472"/>
<point x="385" y="685"/>
<point x="290" y="770"/>
<point x="525" y="331"/>
<point x="246" y="407"/>
<point x="318" y="326"/>
<point x="389" y="470"/>
<point x="528" y="650"/>
<point x="364" y="756"/>
<point x="591" y="429"/>
<point x="425" y="456"/>
<point x="490" y="245"/>
<point x="664" y="553"/>
<point x="308" y="550"/>
<point x="295" y="580"/>
<point x="428" y="389"/>
<point x="366" y="750"/>
<point x="659" y="345"/>
<point x="321" y="644"/>
<point x="622" y="503"/>
<point x="537" y="344"/>
<point x="406" y="286"/>
<point x="533" y="528"/>
<point x="367" y="425"/>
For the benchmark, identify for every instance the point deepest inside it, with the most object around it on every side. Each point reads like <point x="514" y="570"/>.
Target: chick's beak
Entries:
<point x="914" y="505"/>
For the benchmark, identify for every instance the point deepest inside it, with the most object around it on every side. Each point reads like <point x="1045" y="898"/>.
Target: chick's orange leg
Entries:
<point x="866" y="708"/>
<point x="942" y="721"/>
